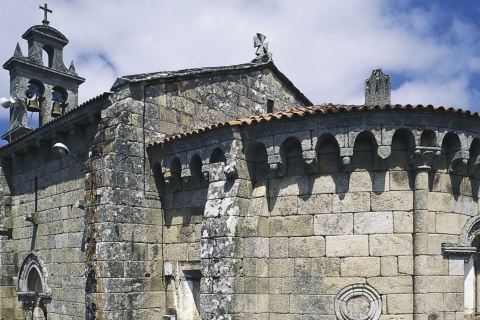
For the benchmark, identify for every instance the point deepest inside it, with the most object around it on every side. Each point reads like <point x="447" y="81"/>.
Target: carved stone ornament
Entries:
<point x="422" y="157"/>
<point x="262" y="48"/>
<point x="377" y="89"/>
<point x="358" y="302"/>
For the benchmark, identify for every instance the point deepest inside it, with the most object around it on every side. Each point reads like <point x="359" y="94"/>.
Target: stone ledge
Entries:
<point x="451" y="249"/>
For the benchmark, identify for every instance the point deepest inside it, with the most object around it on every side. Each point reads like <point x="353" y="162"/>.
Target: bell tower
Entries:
<point x="40" y="82"/>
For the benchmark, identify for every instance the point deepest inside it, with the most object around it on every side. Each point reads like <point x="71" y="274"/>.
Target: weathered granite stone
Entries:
<point x="360" y="267"/>
<point x="387" y="285"/>
<point x="291" y="226"/>
<point x="373" y="222"/>
<point x="390" y="244"/>
<point x="310" y="247"/>
<point x="333" y="224"/>
<point x="399" y="303"/>
<point x="313" y="204"/>
<point x="351" y="202"/>
<point x="347" y="246"/>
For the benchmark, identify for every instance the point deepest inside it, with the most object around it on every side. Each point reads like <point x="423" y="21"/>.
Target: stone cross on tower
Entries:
<point x="262" y="48"/>
<point x="377" y="89"/>
<point x="46" y="11"/>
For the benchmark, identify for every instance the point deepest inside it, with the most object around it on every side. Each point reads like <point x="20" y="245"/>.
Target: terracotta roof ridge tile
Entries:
<point x="324" y="108"/>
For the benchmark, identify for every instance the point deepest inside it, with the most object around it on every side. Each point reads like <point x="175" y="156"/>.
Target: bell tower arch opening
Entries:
<point x="34" y="98"/>
<point x="59" y="101"/>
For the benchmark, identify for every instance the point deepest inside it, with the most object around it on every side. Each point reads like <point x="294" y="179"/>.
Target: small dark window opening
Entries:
<point x="270" y="104"/>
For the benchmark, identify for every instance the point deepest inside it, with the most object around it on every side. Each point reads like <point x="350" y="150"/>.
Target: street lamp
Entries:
<point x="62" y="150"/>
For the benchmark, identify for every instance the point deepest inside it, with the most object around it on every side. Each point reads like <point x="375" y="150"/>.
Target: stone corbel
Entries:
<point x="174" y="181"/>
<point x="276" y="166"/>
<point x="277" y="169"/>
<point x="206" y="176"/>
<point x="458" y="165"/>
<point x="186" y="176"/>
<point x="346" y="158"/>
<point x="346" y="161"/>
<point x="474" y="168"/>
<point x="310" y="161"/>
<point x="230" y="171"/>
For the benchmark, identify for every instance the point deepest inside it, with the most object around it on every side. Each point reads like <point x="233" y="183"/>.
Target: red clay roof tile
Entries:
<point x="311" y="110"/>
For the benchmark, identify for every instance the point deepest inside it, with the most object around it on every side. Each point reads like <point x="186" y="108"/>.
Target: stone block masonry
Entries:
<point x="320" y="241"/>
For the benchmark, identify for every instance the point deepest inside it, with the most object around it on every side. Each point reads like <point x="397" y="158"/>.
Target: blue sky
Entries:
<point x="431" y="49"/>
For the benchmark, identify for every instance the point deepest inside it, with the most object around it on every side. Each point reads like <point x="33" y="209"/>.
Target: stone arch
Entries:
<point x="176" y="166"/>
<point x="218" y="155"/>
<point x="32" y="262"/>
<point x="34" y="281"/>
<point x="450" y="145"/>
<point x="34" y="97"/>
<point x="257" y="162"/>
<point x="195" y="164"/>
<point x="364" y="151"/>
<point x="474" y="158"/>
<point x="32" y="286"/>
<point x="196" y="173"/>
<point x="403" y="141"/>
<point x="428" y="138"/>
<point x="291" y="154"/>
<point x="37" y="86"/>
<point x="469" y="231"/>
<point x="475" y="147"/>
<point x="328" y="153"/>
<point x="175" y="175"/>
<point x="59" y="101"/>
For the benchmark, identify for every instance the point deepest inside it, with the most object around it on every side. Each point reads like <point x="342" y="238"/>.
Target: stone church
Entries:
<point x="223" y="193"/>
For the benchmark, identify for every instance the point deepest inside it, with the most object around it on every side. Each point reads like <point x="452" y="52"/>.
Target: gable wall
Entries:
<point x="184" y="105"/>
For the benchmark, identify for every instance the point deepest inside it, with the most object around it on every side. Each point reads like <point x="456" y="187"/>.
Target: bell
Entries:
<point x="32" y="105"/>
<point x="56" y="109"/>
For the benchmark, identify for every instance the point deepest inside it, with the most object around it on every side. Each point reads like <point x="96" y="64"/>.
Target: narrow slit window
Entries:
<point x="270" y="104"/>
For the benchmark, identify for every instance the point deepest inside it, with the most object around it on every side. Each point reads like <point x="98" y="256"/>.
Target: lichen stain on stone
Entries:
<point x="93" y="283"/>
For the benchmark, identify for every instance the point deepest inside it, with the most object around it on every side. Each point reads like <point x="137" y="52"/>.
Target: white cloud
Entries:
<point x="453" y="93"/>
<point x="327" y="48"/>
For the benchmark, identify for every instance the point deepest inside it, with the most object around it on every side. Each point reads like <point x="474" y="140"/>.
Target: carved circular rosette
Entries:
<point x="358" y="302"/>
